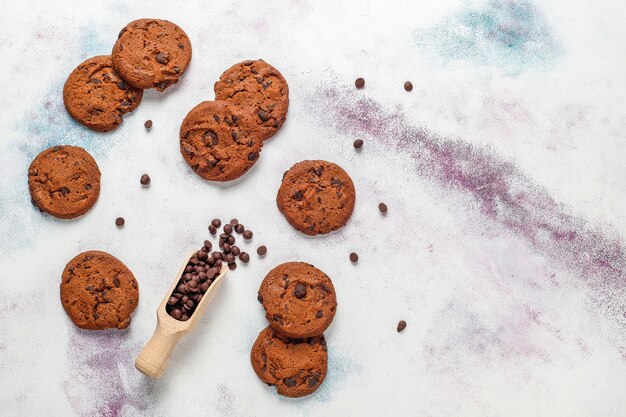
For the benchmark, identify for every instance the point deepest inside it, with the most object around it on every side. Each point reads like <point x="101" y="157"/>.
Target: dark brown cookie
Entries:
<point x="259" y="89"/>
<point x="316" y="197"/>
<point x="96" y="96"/>
<point x="296" y="367"/>
<point x="299" y="299"/>
<point x="151" y="53"/>
<point x="98" y="291"/>
<point x="217" y="141"/>
<point x="64" y="181"/>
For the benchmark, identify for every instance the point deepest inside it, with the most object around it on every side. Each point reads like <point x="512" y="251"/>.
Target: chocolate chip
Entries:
<point x="234" y="222"/>
<point x="210" y="138"/>
<point x="401" y="326"/>
<point x="244" y="257"/>
<point x="297" y="196"/>
<point x="290" y="382"/>
<point x="161" y="58"/>
<point x="64" y="191"/>
<point x="354" y="257"/>
<point x="300" y="291"/>
<point x="319" y="314"/>
<point x="212" y="229"/>
<point x="382" y="207"/>
<point x="235" y="250"/>
<point x="121" y="85"/>
<point x="247" y="234"/>
<point x="216" y="222"/>
<point x="232" y="266"/>
<point x="358" y="143"/>
<point x="240" y="228"/>
<point x="116" y="282"/>
<point x="408" y="86"/>
<point x="145" y="179"/>
<point x="95" y="81"/>
<point x="318" y="171"/>
<point x="359" y="83"/>
<point x="261" y="250"/>
<point x="228" y="229"/>
<point x="263" y="115"/>
<point x="277" y="318"/>
<point x="253" y="155"/>
<point x="259" y="298"/>
<point x="172" y="301"/>
<point x="119" y="222"/>
<point x="312" y="381"/>
<point x="148" y="124"/>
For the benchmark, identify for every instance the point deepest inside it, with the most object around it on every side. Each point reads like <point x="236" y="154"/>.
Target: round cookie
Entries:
<point x="217" y="141"/>
<point x="316" y="197"/>
<point x="64" y="181"/>
<point x="299" y="299"/>
<point x="151" y="53"/>
<point x="296" y="367"/>
<point x="258" y="88"/>
<point x="96" y="96"/>
<point x="98" y="291"/>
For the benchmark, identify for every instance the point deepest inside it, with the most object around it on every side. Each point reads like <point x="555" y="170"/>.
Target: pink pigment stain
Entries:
<point x="504" y="193"/>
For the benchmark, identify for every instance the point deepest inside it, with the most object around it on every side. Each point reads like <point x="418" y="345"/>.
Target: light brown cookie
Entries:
<point x="257" y="88"/>
<point x="151" y="53"/>
<point x="316" y="197"/>
<point x="96" y="96"/>
<point x="98" y="291"/>
<point x="296" y="367"/>
<point x="64" y="181"/>
<point x="218" y="142"/>
<point x="299" y="299"/>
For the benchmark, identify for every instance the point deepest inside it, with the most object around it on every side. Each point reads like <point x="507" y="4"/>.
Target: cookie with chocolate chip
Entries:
<point x="257" y="88"/>
<point x="219" y="142"/>
<point x="96" y="96"/>
<point x="151" y="53"/>
<point x="296" y="367"/>
<point x="299" y="299"/>
<point x="98" y="291"/>
<point x="64" y="181"/>
<point x="316" y="197"/>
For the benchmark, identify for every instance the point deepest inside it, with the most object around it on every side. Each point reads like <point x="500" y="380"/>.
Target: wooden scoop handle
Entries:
<point x="152" y="360"/>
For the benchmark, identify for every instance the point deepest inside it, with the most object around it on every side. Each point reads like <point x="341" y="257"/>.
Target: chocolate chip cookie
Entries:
<point x="64" y="181"/>
<point x="316" y="197"/>
<point x="98" y="291"/>
<point x="96" y="96"/>
<point x="296" y="367"/>
<point x="217" y="142"/>
<point x="259" y="89"/>
<point x="299" y="299"/>
<point x="151" y="53"/>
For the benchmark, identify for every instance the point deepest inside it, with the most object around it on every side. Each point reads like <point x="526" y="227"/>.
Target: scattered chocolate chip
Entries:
<point x="358" y="143"/>
<point x="401" y="325"/>
<point x="359" y="83"/>
<point x="148" y="124"/>
<point x="119" y="222"/>
<point x="382" y="207"/>
<point x="232" y="266"/>
<point x="145" y="179"/>
<point x="240" y="228"/>
<point x="300" y="291"/>
<point x="408" y="86"/>
<point x="234" y="222"/>
<point x="212" y="229"/>
<point x="216" y="222"/>
<point x="354" y="257"/>
<point x="244" y="257"/>
<point x="247" y="234"/>
<point x="235" y="250"/>
<point x="261" y="250"/>
<point x="228" y="229"/>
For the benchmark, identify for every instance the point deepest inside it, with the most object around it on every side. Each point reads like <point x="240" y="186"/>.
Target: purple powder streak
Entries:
<point x="504" y="193"/>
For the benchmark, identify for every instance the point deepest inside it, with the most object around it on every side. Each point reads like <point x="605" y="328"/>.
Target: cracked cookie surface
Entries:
<point x="151" y="53"/>
<point x="299" y="299"/>
<point x="316" y="197"/>
<point x="217" y="142"/>
<point x="98" y="291"/>
<point x="296" y="367"/>
<point x="64" y="181"/>
<point x="96" y="96"/>
<point x="259" y="89"/>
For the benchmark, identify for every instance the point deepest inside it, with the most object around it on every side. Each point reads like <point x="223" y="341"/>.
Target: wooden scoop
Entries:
<point x="152" y="360"/>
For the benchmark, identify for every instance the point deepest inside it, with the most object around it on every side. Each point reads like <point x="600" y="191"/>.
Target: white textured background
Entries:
<point x="503" y="171"/>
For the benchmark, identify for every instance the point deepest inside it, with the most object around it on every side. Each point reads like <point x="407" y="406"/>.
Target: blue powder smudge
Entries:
<point x="510" y="35"/>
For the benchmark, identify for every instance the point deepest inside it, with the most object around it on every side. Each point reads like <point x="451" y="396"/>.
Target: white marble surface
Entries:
<point x="503" y="171"/>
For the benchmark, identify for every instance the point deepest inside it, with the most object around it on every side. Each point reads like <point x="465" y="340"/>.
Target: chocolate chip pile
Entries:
<point x="204" y="266"/>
